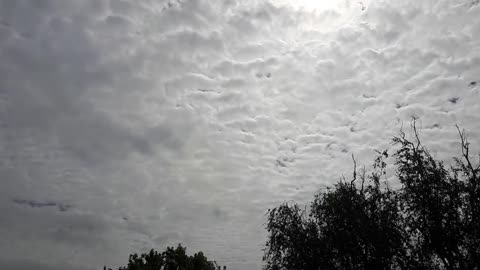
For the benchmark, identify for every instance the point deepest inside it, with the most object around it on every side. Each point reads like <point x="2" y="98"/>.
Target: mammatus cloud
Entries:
<point x="126" y="125"/>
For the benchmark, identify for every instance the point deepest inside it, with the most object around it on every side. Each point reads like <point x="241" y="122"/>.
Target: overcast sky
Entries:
<point x="127" y="125"/>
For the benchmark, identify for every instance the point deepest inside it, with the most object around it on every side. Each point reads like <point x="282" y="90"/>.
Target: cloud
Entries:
<point x="161" y="122"/>
<point x="29" y="264"/>
<point x="37" y="204"/>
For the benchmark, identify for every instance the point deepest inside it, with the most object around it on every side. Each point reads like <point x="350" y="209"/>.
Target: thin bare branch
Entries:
<point x="415" y="131"/>
<point x="465" y="151"/>
<point x="354" y="170"/>
<point x="364" y="171"/>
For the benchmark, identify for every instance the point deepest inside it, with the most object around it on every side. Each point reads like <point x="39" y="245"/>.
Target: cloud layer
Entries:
<point x="126" y="126"/>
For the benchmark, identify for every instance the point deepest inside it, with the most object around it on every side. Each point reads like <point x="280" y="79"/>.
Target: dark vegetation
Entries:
<point x="430" y="221"/>
<point x="170" y="259"/>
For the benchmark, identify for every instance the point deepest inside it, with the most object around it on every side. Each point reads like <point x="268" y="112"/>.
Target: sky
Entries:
<point x="130" y="125"/>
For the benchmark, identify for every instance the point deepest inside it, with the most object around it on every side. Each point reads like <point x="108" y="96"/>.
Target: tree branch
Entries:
<point x="354" y="170"/>
<point x="465" y="151"/>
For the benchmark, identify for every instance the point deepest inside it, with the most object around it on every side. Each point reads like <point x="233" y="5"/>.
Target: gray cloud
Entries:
<point x="38" y="204"/>
<point x="161" y="122"/>
<point x="29" y="264"/>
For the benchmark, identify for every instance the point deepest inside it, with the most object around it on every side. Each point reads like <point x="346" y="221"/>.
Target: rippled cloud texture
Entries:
<point x="127" y="125"/>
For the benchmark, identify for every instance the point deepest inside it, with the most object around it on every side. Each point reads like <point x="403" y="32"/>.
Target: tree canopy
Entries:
<point x="170" y="259"/>
<point x="432" y="221"/>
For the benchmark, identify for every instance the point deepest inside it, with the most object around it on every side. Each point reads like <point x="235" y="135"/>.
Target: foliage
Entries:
<point x="170" y="259"/>
<point x="431" y="222"/>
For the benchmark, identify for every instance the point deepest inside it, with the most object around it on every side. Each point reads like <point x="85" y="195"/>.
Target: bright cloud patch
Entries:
<point x="129" y="125"/>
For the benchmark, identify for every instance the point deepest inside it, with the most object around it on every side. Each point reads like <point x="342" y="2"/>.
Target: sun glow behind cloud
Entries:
<point x="325" y="15"/>
<point x="314" y="5"/>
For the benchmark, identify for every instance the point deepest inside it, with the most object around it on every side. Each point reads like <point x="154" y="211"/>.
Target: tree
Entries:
<point x="170" y="259"/>
<point x="349" y="227"/>
<point x="442" y="205"/>
<point x="430" y="222"/>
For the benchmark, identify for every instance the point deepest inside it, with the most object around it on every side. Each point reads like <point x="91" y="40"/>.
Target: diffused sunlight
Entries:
<point x="314" y="5"/>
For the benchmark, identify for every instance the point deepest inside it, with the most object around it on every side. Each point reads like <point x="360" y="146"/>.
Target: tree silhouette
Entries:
<point x="430" y="222"/>
<point x="170" y="259"/>
<point x="349" y="227"/>
<point x="441" y="205"/>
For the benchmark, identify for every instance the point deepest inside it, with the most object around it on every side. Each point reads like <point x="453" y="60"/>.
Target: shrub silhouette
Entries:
<point x="431" y="222"/>
<point x="170" y="259"/>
